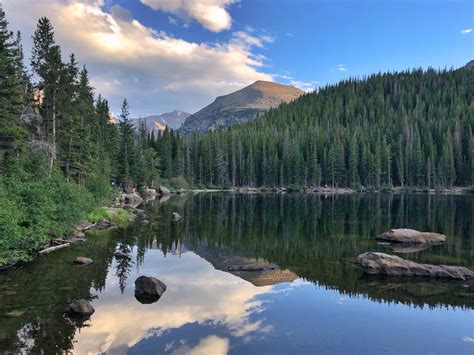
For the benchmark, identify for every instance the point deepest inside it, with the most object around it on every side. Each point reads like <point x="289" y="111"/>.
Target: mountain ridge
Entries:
<point x="240" y="106"/>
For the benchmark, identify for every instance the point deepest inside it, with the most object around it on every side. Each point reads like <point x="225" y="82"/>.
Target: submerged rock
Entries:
<point x="81" y="308"/>
<point x="148" y="289"/>
<point x="176" y="216"/>
<point x="407" y="236"/>
<point x="375" y="263"/>
<point x="103" y="224"/>
<point x="120" y="254"/>
<point x="81" y="260"/>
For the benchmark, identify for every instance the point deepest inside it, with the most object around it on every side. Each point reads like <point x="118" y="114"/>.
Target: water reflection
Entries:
<point x="196" y="293"/>
<point x="317" y="301"/>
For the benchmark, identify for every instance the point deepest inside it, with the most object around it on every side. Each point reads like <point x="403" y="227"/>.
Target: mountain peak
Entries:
<point x="241" y="106"/>
<point x="469" y="65"/>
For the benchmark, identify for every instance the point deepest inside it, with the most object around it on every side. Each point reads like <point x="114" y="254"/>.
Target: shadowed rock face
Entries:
<point x="411" y="236"/>
<point x="375" y="263"/>
<point x="240" y="106"/>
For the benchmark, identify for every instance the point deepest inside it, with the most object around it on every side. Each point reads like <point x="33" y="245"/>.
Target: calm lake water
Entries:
<point x="318" y="302"/>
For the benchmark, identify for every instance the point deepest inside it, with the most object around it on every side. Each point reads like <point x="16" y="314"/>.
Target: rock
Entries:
<point x="132" y="198"/>
<point x="103" y="224"/>
<point x="145" y="222"/>
<point x="81" y="308"/>
<point x="375" y="263"/>
<point x="84" y="226"/>
<point x="261" y="267"/>
<point x="176" y="216"/>
<point x="403" y="248"/>
<point x="148" y="289"/>
<point x="163" y="191"/>
<point x="120" y="254"/>
<point x="149" y="192"/>
<point x="411" y="236"/>
<point x="81" y="260"/>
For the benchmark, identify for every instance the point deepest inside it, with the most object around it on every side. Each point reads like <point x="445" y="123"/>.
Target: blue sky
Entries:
<point x="180" y="54"/>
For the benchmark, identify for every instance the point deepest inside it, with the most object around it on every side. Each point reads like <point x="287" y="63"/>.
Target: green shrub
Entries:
<point x="178" y="182"/>
<point x="35" y="211"/>
<point x="99" y="187"/>
<point x="97" y="214"/>
<point x="120" y="218"/>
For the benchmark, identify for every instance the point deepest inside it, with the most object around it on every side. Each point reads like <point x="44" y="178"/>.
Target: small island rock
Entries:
<point x="375" y="263"/>
<point x="81" y="308"/>
<point x="148" y="289"/>
<point x="407" y="236"/>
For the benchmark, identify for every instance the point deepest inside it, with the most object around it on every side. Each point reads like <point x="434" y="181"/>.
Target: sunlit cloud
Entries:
<point x="153" y="69"/>
<point x="466" y="31"/>
<point x="211" y="14"/>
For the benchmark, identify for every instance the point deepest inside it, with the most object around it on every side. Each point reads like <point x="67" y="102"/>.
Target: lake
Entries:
<point x="316" y="301"/>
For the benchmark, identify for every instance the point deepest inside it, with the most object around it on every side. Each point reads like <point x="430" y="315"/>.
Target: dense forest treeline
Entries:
<point x="59" y="150"/>
<point x="408" y="129"/>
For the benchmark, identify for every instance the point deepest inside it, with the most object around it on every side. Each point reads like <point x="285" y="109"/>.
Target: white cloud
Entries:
<point x="341" y="67"/>
<point x="246" y="39"/>
<point x="212" y="14"/>
<point x="466" y="31"/>
<point x="154" y="70"/>
<point x="172" y="20"/>
<point x="307" y="86"/>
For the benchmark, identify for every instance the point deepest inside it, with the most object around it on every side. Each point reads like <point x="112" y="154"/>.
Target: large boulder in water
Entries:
<point x="408" y="236"/>
<point x="375" y="263"/>
<point x="148" y="289"/>
<point x="81" y="308"/>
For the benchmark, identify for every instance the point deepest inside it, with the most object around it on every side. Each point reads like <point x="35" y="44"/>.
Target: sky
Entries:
<point x="164" y="55"/>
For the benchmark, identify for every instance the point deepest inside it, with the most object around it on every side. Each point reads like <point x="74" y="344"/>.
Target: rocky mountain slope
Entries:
<point x="240" y="106"/>
<point x="173" y="120"/>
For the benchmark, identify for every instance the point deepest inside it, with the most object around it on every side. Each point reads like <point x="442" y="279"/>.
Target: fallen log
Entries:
<point x="57" y="247"/>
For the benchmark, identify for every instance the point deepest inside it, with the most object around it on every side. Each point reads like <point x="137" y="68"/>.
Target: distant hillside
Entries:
<point x="240" y="106"/>
<point x="173" y="120"/>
